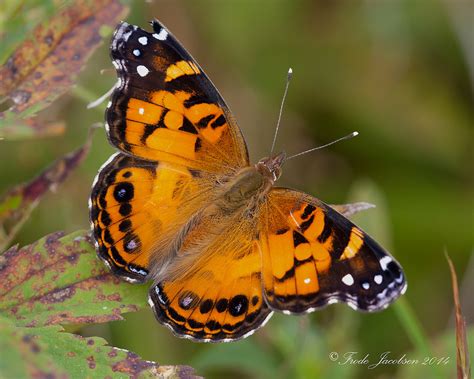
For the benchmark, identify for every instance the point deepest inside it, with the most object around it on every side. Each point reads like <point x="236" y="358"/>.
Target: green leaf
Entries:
<point x="60" y="280"/>
<point x="49" y="352"/>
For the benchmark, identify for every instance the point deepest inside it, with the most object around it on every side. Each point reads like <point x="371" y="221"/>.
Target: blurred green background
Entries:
<point x="399" y="72"/>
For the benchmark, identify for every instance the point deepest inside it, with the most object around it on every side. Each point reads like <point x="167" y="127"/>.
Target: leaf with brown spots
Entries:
<point x="45" y="66"/>
<point x="18" y="203"/>
<point x="48" y="352"/>
<point x="60" y="280"/>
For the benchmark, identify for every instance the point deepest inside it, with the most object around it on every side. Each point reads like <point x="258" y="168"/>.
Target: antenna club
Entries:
<point x="290" y="73"/>
<point x="349" y="136"/>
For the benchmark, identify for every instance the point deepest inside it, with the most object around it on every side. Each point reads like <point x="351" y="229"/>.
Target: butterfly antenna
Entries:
<point x="349" y="136"/>
<point x="288" y="79"/>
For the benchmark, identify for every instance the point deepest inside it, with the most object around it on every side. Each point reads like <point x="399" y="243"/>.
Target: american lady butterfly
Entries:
<point x="181" y="206"/>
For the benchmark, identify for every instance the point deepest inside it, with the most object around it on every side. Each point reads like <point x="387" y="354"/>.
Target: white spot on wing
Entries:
<point x="348" y="280"/>
<point x="366" y="285"/>
<point x="384" y="262"/>
<point x="162" y="35"/>
<point x="186" y="301"/>
<point x="307" y="280"/>
<point x="141" y="110"/>
<point x="143" y="40"/>
<point x="136" y="52"/>
<point x="378" y="279"/>
<point x="121" y="34"/>
<point x="142" y="70"/>
<point x="131" y="245"/>
<point x="404" y="289"/>
<point x="352" y="305"/>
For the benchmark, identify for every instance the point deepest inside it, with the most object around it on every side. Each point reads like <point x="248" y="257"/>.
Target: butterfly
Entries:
<point x="181" y="206"/>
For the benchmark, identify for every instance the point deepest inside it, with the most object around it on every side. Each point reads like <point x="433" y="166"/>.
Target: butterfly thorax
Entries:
<point x="250" y="184"/>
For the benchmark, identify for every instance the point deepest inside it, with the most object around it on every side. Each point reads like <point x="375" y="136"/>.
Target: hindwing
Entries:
<point x="313" y="256"/>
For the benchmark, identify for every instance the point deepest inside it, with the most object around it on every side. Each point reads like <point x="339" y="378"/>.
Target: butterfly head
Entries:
<point x="270" y="167"/>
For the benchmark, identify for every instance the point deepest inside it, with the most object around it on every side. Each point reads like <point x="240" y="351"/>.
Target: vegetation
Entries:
<point x="399" y="72"/>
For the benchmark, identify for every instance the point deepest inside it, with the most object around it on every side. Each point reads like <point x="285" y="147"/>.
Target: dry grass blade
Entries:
<point x="462" y="349"/>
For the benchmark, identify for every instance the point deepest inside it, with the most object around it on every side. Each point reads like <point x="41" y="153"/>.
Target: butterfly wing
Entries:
<point x="165" y="108"/>
<point x="313" y="256"/>
<point x="180" y="140"/>
<point x="219" y="297"/>
<point x="137" y="207"/>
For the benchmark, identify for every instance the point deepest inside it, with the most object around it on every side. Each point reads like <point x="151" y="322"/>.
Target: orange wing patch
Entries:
<point x="164" y="127"/>
<point x="181" y="68"/>
<point x="355" y="243"/>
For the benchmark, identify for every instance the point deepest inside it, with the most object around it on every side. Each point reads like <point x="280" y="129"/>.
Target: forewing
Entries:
<point x="313" y="256"/>
<point x="165" y="108"/>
